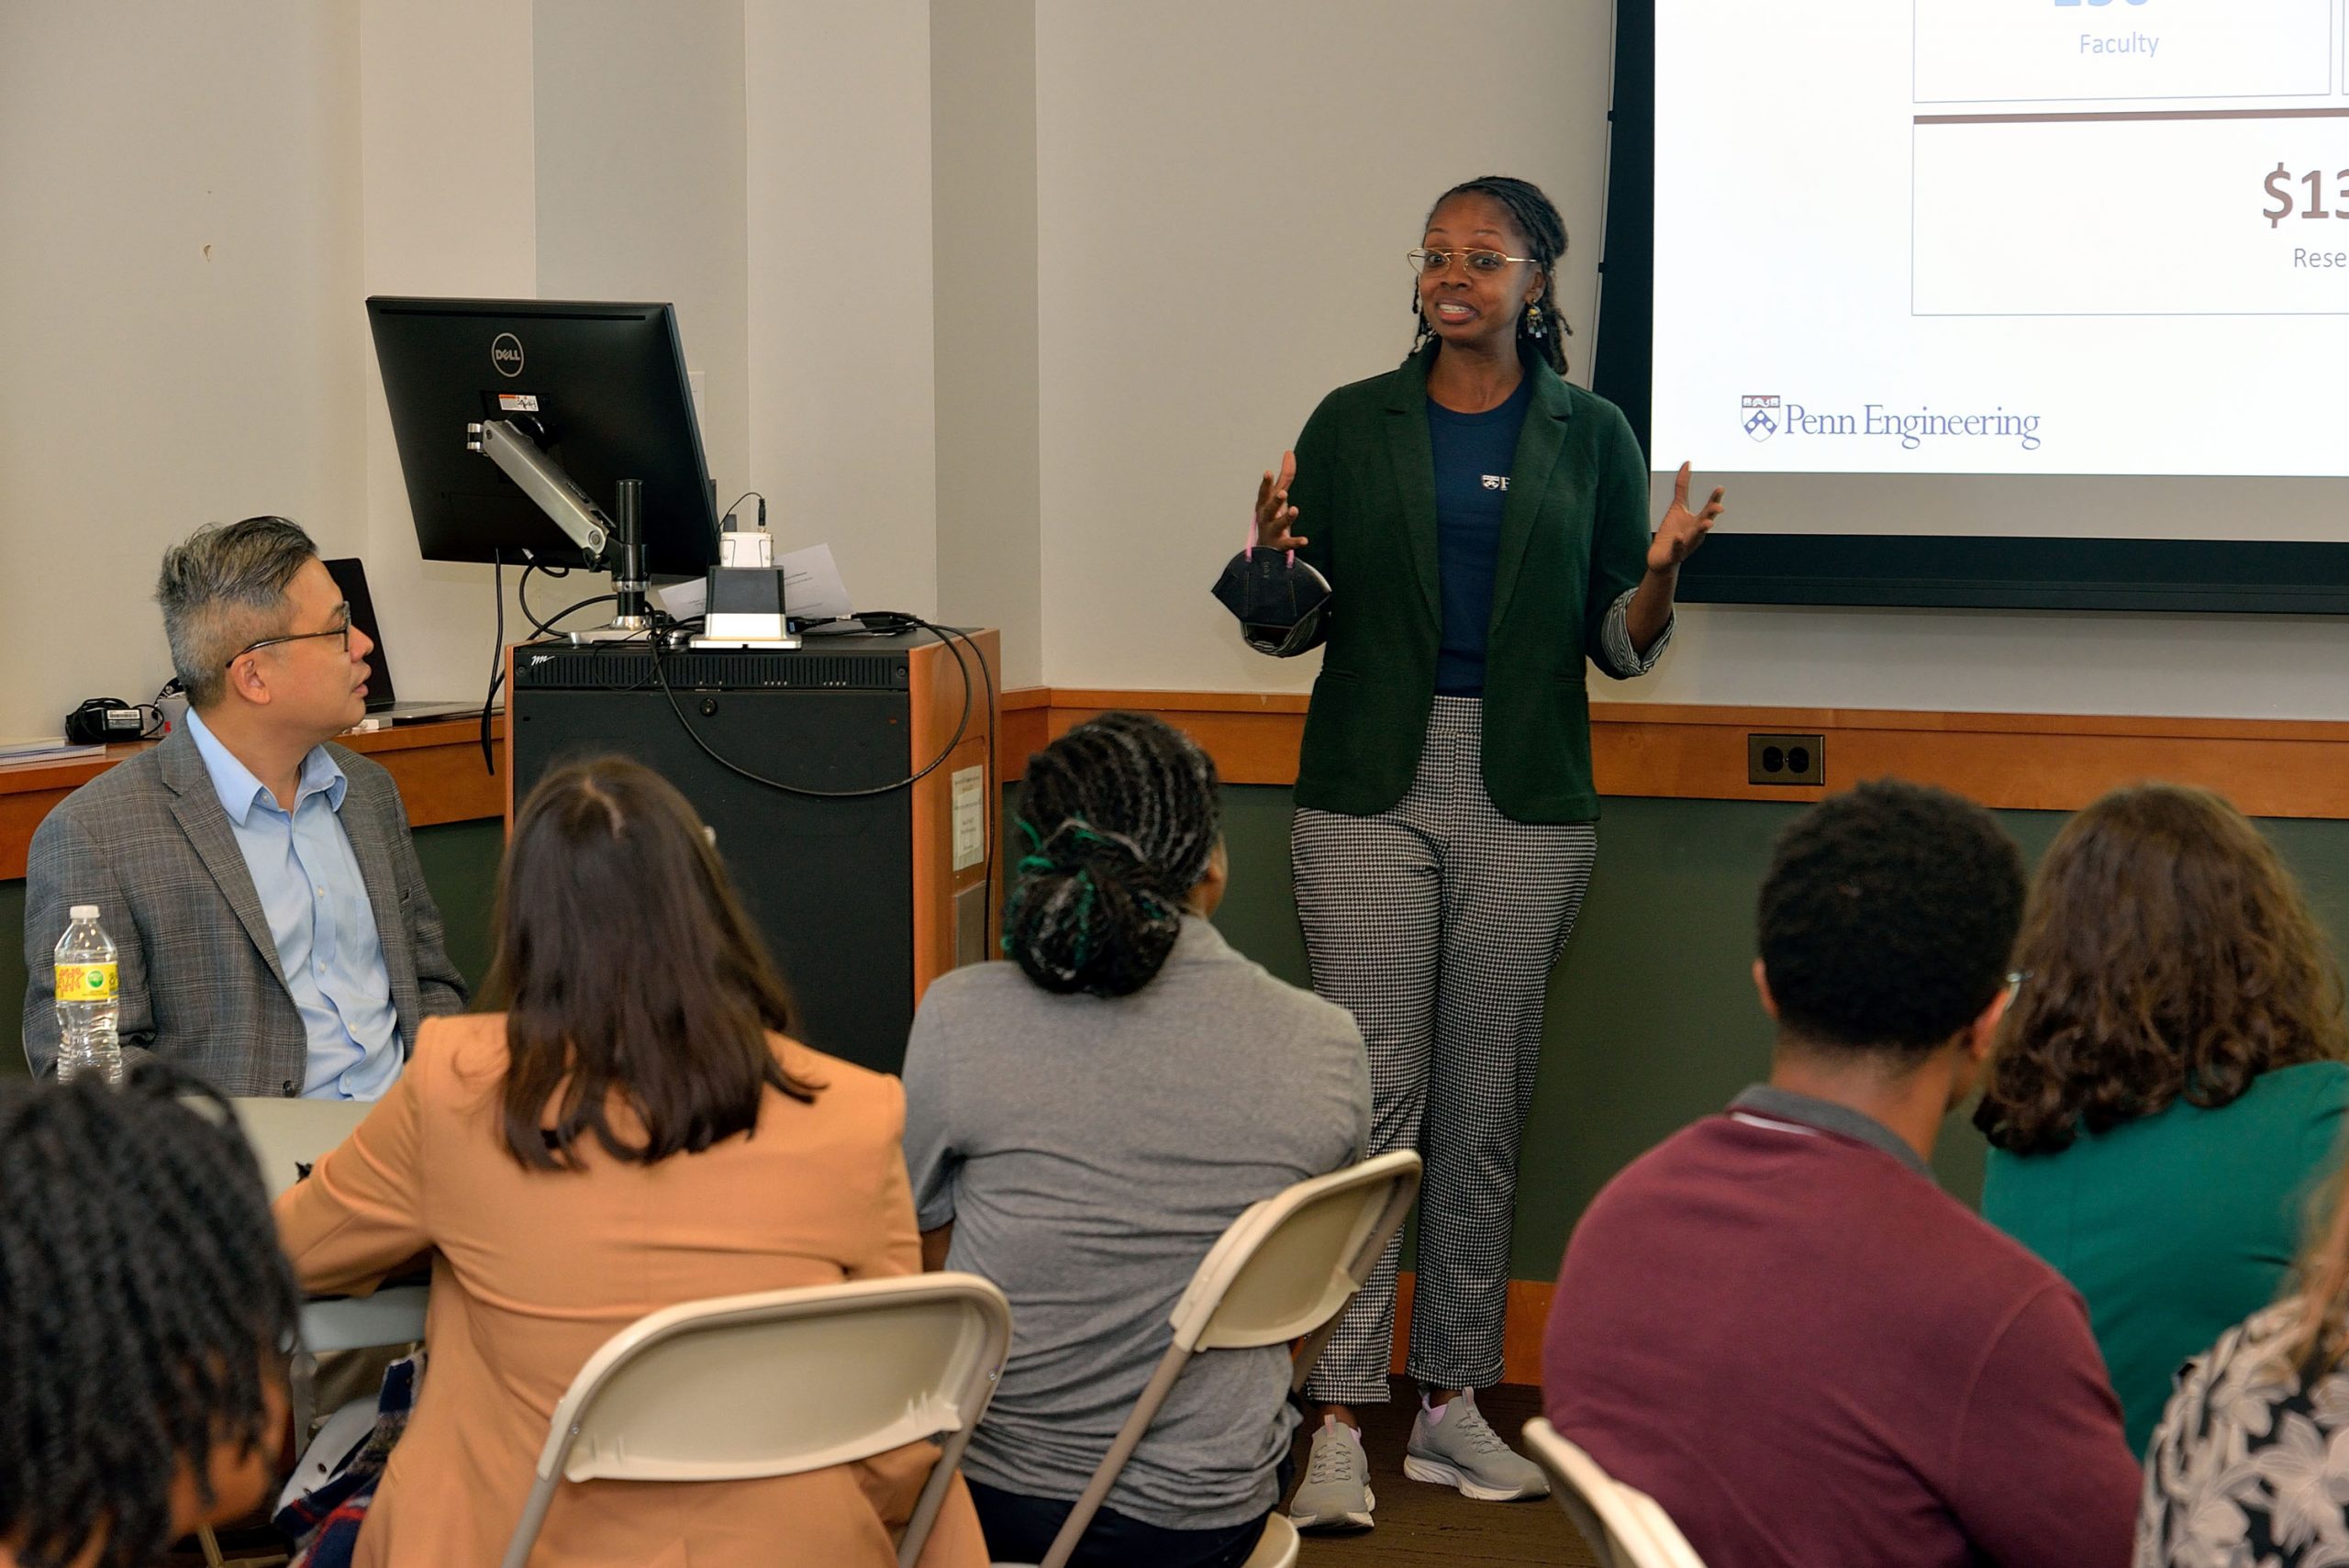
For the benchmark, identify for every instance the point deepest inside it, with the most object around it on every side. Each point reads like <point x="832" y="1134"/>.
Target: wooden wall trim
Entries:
<point x="437" y="767"/>
<point x="1670" y="750"/>
<point x="1527" y="1315"/>
<point x="2269" y="767"/>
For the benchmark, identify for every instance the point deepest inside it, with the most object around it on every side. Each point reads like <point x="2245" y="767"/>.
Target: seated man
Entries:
<point x="1775" y="1323"/>
<point x="276" y="934"/>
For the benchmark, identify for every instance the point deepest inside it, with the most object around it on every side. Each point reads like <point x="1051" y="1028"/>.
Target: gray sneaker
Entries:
<point x="1335" y="1493"/>
<point x="1464" y="1451"/>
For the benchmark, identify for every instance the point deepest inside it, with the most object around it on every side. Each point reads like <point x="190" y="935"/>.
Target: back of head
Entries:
<point x="1122" y="822"/>
<point x="627" y="968"/>
<point x="1887" y="919"/>
<point x="222" y="590"/>
<point x="143" y="1291"/>
<point x="2171" y="955"/>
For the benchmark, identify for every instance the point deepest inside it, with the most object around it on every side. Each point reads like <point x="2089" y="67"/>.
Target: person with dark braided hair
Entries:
<point x="1482" y="526"/>
<point x="1081" y="1125"/>
<point x="148" y="1310"/>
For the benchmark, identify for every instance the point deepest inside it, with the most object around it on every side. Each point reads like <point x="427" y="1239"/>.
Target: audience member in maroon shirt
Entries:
<point x="1775" y="1323"/>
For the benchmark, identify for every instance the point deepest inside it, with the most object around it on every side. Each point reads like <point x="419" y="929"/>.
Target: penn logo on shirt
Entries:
<point x="1497" y="482"/>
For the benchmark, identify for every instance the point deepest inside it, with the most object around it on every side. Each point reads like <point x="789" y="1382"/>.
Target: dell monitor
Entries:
<point x="593" y="394"/>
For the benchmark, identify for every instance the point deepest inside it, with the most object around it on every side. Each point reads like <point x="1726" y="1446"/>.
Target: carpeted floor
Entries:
<point x="1418" y="1523"/>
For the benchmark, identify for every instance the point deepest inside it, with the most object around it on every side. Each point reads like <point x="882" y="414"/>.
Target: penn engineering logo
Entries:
<point x="1762" y="415"/>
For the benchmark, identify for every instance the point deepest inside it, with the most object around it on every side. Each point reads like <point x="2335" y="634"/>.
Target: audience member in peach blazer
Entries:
<point x="635" y="1130"/>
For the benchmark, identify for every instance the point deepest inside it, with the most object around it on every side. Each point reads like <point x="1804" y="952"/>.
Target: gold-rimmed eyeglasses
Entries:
<point x="341" y="630"/>
<point x="1423" y="260"/>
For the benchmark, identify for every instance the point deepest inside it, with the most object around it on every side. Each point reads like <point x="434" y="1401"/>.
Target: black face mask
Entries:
<point x="1280" y="600"/>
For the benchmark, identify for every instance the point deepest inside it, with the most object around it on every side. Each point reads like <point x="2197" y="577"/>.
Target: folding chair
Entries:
<point x="287" y="1136"/>
<point x="740" y="1387"/>
<point x="1624" y="1526"/>
<point x="1280" y="1273"/>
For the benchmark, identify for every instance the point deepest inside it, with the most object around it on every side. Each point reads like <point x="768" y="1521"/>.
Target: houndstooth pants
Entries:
<point x="1436" y="924"/>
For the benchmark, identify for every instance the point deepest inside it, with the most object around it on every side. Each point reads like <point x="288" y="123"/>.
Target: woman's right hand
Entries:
<point x="1274" y="514"/>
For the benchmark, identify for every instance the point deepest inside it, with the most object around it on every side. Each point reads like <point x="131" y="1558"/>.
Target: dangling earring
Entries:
<point x="1535" y="326"/>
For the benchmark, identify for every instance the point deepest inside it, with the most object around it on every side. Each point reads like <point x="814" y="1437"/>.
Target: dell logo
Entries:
<point x="505" y="353"/>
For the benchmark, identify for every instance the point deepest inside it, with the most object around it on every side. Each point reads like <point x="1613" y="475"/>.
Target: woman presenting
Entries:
<point x="1483" y="526"/>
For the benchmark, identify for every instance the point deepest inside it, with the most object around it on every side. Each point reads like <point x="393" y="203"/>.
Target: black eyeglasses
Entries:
<point x="340" y="631"/>
<point x="1486" y="262"/>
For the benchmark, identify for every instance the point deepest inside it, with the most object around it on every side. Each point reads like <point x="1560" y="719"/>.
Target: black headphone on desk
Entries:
<point x="104" y="720"/>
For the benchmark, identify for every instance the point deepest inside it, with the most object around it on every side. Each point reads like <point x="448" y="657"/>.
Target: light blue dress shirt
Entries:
<point x="315" y="902"/>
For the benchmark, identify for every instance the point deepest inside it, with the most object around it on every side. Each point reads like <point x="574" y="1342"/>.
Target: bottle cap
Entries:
<point x="83" y="912"/>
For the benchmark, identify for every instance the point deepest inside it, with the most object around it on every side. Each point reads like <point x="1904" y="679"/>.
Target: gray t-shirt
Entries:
<point x="1088" y="1152"/>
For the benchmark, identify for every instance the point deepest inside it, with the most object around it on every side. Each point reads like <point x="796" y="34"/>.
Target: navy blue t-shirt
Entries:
<point x="1473" y="454"/>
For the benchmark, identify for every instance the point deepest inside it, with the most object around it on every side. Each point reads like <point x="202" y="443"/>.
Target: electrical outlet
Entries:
<point x="1786" y="759"/>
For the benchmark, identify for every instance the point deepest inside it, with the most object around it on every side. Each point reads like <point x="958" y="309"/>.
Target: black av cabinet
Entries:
<point x="864" y="901"/>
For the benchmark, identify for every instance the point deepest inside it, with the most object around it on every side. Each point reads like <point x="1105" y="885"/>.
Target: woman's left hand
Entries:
<point x="1681" y="531"/>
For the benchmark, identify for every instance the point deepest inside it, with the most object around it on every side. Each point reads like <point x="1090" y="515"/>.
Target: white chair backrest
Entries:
<point x="783" y="1381"/>
<point x="779" y="1383"/>
<point x="1624" y="1526"/>
<point x="1286" y="1265"/>
<point x="288" y="1134"/>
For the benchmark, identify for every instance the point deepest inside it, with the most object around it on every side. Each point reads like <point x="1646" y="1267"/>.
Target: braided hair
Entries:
<point x="1541" y="334"/>
<point x="143" y="1288"/>
<point x="1120" y="818"/>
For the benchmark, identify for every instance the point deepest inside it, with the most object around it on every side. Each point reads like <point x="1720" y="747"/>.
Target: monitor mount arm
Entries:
<point x="614" y="544"/>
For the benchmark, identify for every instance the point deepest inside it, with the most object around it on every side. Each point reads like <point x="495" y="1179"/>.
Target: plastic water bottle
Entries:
<point x="87" y="1003"/>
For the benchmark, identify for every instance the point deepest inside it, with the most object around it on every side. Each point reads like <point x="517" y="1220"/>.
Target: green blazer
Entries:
<point x="1574" y="538"/>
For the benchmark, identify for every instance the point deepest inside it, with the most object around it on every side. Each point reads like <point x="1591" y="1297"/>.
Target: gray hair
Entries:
<point x="222" y="589"/>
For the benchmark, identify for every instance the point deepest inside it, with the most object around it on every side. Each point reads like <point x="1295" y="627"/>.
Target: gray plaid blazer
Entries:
<point x="148" y="842"/>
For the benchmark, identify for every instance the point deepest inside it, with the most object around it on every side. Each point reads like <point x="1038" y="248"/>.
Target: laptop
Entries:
<point x="383" y="699"/>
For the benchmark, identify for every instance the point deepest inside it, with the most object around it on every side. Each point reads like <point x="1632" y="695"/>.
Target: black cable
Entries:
<point x="497" y="656"/>
<point x="570" y="609"/>
<point x="961" y="726"/>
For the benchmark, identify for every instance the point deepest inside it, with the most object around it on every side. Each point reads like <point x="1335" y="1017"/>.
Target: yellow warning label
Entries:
<point x="85" y="981"/>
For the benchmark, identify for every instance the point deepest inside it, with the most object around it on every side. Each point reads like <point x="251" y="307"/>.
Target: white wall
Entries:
<point x="1226" y="190"/>
<point x="638" y="143"/>
<point x="982" y="184"/>
<point x="178" y="236"/>
<point x="445" y="106"/>
<point x="841" y="355"/>
<point x="1010" y="300"/>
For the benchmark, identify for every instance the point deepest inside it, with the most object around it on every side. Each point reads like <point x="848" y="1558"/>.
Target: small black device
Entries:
<point x="599" y="389"/>
<point x="105" y="721"/>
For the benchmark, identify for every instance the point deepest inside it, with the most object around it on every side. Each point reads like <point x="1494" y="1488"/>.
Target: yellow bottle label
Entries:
<point x="85" y="981"/>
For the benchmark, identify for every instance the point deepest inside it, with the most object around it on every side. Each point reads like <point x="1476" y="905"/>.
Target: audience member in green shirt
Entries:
<point x="2169" y="1086"/>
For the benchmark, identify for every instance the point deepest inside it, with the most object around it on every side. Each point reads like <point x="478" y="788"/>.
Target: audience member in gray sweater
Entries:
<point x="1082" y="1125"/>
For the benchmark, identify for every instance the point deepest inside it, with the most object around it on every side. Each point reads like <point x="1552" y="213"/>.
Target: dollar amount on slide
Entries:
<point x="2286" y="195"/>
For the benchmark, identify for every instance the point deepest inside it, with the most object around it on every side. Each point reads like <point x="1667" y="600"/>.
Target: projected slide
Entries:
<point x="2088" y="236"/>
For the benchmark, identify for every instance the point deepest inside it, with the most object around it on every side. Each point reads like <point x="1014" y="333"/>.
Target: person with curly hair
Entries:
<point x="2169" y="1086"/>
<point x="148" y="1311"/>
<point x="1777" y="1324"/>
<point x="1082" y="1123"/>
